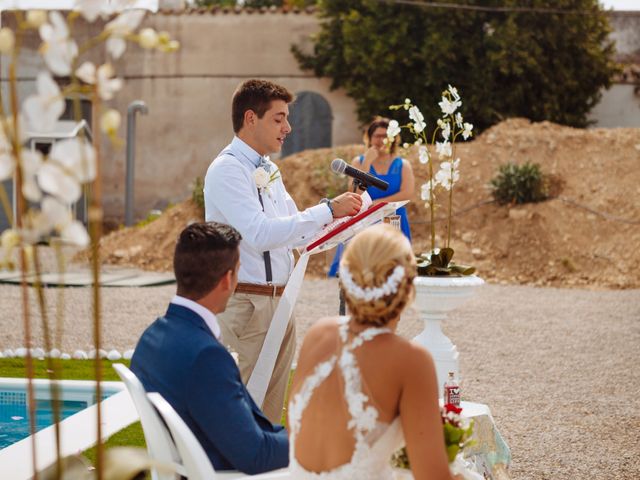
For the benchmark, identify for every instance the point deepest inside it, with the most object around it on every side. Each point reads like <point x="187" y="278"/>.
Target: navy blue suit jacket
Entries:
<point x="179" y="357"/>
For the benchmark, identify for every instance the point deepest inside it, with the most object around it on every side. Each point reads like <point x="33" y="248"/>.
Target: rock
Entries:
<point x="128" y="354"/>
<point x="102" y="353"/>
<point x="114" y="355"/>
<point x="120" y="253"/>
<point x="92" y="354"/>
<point x="37" y="352"/>
<point x="80" y="355"/>
<point x="8" y="353"/>
<point x="477" y="253"/>
<point x="468" y="237"/>
<point x="65" y="356"/>
<point x="20" y="352"/>
<point x="54" y="353"/>
<point x="517" y="213"/>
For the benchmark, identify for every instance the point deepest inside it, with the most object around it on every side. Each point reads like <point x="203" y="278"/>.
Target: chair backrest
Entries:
<point x="160" y="445"/>
<point x="194" y="458"/>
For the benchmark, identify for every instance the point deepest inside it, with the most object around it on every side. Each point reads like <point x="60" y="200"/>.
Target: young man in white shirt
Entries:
<point x="270" y="224"/>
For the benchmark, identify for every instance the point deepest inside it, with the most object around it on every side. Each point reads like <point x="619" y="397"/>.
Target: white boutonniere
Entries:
<point x="264" y="179"/>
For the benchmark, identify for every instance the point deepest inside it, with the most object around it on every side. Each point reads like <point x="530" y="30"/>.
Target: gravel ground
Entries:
<point x="559" y="368"/>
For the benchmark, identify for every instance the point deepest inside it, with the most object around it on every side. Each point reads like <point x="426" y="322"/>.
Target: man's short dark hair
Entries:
<point x="255" y="95"/>
<point x="205" y="252"/>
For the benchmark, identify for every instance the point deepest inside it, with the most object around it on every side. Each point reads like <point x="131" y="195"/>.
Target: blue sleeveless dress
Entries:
<point x="394" y="178"/>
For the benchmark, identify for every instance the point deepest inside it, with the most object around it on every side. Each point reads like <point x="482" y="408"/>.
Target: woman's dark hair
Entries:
<point x="205" y="252"/>
<point x="380" y="122"/>
<point x="255" y="95"/>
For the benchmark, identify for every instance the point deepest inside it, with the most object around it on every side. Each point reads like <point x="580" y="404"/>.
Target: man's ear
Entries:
<point x="249" y="118"/>
<point x="227" y="280"/>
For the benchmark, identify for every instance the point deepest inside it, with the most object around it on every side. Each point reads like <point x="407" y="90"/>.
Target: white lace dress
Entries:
<point x="375" y="441"/>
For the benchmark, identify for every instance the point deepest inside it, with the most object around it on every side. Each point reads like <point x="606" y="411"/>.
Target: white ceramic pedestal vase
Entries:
<point x="435" y="297"/>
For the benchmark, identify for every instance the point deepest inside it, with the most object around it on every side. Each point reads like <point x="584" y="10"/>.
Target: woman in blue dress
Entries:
<point x="381" y="161"/>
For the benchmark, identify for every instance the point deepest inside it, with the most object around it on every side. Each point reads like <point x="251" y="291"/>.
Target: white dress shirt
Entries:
<point x="206" y="314"/>
<point x="231" y="197"/>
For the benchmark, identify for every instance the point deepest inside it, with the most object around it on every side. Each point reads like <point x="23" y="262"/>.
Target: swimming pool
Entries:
<point x="78" y="428"/>
<point x="14" y="408"/>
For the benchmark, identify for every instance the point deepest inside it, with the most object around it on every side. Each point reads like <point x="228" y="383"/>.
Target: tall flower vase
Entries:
<point x="435" y="297"/>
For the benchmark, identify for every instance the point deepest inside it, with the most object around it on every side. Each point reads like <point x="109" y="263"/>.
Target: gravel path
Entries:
<point x="559" y="368"/>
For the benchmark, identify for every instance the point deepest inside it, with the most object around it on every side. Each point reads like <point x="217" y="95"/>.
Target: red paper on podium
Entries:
<point x="334" y="234"/>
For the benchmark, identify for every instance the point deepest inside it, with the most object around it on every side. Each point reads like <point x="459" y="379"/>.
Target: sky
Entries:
<point x="621" y="4"/>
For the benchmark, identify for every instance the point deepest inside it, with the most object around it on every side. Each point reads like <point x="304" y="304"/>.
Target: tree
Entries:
<point x="535" y="64"/>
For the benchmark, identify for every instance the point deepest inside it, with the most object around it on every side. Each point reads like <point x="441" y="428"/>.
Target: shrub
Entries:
<point x="197" y="192"/>
<point x="519" y="184"/>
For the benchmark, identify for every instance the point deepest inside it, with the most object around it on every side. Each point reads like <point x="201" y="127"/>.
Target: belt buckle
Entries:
<point x="273" y="294"/>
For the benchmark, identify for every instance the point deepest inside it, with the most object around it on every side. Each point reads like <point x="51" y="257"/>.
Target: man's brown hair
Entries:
<point x="205" y="252"/>
<point x="255" y="95"/>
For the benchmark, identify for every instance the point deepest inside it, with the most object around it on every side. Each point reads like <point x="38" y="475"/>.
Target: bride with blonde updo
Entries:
<point x="360" y="391"/>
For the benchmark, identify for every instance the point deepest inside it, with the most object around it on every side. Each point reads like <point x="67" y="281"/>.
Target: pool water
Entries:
<point x="14" y="411"/>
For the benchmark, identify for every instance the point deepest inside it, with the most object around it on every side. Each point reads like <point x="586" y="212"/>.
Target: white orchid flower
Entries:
<point x="459" y="119"/>
<point x="446" y="130"/>
<point x="7" y="165"/>
<point x="454" y="92"/>
<point x="107" y="85"/>
<point x="443" y="149"/>
<point x="418" y="119"/>
<point x="92" y="9"/>
<point x="71" y="163"/>
<point x="448" y="174"/>
<point x="123" y="25"/>
<point x="58" y="49"/>
<point x="448" y="107"/>
<point x="467" y="132"/>
<point x="425" y="191"/>
<point x="43" y="110"/>
<point x="393" y="129"/>
<point x="58" y="216"/>
<point x="423" y="154"/>
<point x="31" y="162"/>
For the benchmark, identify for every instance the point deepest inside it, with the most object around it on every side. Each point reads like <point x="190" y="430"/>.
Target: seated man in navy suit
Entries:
<point x="180" y="357"/>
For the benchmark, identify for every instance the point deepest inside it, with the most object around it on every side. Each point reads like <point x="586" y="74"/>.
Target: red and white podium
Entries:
<point x="340" y="231"/>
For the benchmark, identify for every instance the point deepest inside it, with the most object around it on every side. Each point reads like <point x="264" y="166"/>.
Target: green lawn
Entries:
<point x="78" y="370"/>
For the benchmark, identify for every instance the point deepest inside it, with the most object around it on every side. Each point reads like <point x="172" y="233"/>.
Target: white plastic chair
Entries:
<point x="194" y="458"/>
<point x="160" y="445"/>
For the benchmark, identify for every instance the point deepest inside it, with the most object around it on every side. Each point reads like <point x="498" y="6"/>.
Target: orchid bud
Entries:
<point x="7" y="40"/>
<point x="110" y="121"/>
<point x="9" y="239"/>
<point x="148" y="38"/>
<point x="173" y="46"/>
<point x="36" y="18"/>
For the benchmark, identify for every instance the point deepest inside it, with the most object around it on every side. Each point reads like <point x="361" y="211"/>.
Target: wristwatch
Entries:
<point x="327" y="202"/>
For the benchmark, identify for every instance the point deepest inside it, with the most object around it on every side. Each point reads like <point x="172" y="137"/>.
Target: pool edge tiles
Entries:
<point x="77" y="432"/>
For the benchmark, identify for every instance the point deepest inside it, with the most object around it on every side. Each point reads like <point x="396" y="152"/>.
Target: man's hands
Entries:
<point x="345" y="205"/>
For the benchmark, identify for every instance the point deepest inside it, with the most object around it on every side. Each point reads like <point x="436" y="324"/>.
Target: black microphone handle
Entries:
<point x="365" y="178"/>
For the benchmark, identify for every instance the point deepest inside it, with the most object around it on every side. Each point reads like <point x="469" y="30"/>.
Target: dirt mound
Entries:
<point x="148" y="246"/>
<point x="587" y="235"/>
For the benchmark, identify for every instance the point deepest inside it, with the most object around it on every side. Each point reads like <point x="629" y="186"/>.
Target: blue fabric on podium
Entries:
<point x="394" y="178"/>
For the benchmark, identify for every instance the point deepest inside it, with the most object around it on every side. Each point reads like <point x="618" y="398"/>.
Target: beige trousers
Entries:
<point x="244" y="325"/>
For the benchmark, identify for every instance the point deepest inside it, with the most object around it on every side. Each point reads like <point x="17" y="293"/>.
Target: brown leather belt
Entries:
<point x="254" y="289"/>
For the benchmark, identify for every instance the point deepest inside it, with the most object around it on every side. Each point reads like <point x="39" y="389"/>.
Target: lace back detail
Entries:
<point x="363" y="419"/>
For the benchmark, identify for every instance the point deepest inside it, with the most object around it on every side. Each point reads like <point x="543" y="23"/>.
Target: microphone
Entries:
<point x="363" y="179"/>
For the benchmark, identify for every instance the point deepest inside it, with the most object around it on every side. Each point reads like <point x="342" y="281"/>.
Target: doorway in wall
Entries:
<point x="311" y="122"/>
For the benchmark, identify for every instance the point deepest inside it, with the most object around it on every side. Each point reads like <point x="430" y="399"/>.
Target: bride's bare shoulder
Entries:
<point x="322" y="333"/>
<point x="412" y="356"/>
